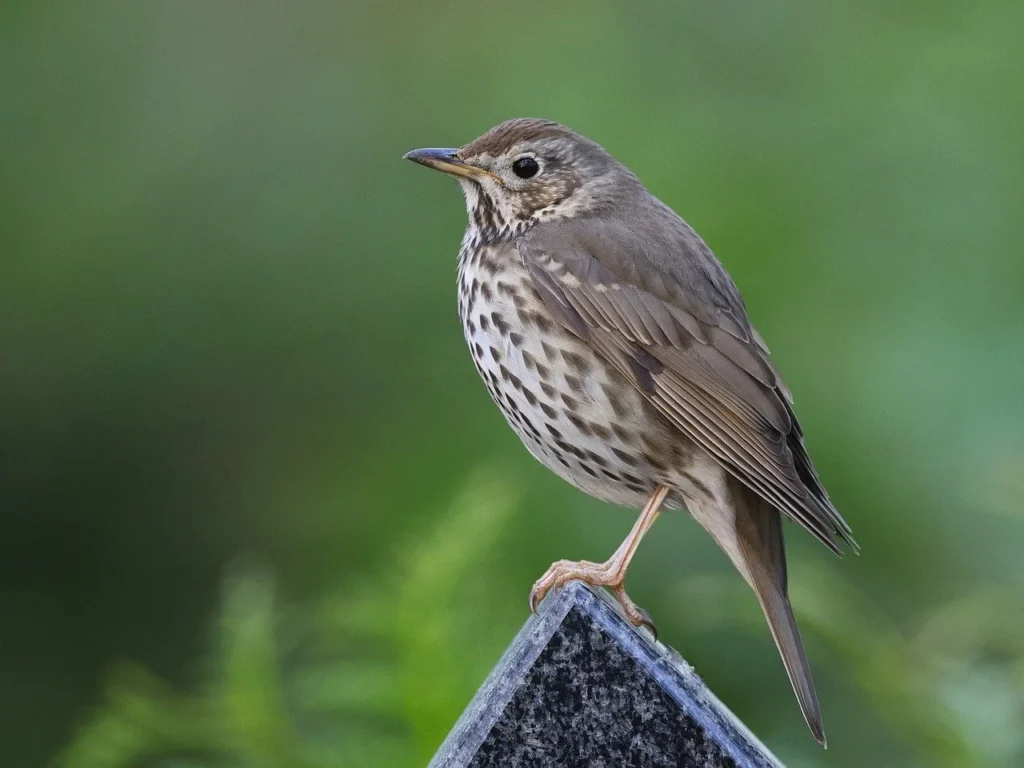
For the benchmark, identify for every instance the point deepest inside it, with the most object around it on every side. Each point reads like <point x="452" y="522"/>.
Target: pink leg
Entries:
<point x="612" y="572"/>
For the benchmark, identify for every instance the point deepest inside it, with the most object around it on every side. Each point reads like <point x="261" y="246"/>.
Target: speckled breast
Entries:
<point x="575" y="414"/>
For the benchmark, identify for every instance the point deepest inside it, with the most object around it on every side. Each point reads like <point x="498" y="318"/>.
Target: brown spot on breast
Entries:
<point x="634" y="482"/>
<point x="650" y="444"/>
<point x="655" y="462"/>
<point x="579" y="423"/>
<point x="529" y="360"/>
<point x="510" y="377"/>
<point x="570" y="402"/>
<point x="681" y="454"/>
<point x="569" y="448"/>
<point x="699" y="485"/>
<point x="499" y="323"/>
<point x="611" y="393"/>
<point x="516" y="339"/>
<point x="625" y="458"/>
<point x="622" y="434"/>
<point x="485" y="291"/>
<point x="496" y="355"/>
<point x="577" y="362"/>
<point x="529" y="426"/>
<point x="538" y="319"/>
<point x="510" y="292"/>
<point x="485" y="324"/>
<point x="490" y="266"/>
<point x="575" y="384"/>
<point x="549" y="352"/>
<point x="550" y="412"/>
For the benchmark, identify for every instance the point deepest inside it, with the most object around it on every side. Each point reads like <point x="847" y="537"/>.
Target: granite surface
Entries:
<point x="579" y="686"/>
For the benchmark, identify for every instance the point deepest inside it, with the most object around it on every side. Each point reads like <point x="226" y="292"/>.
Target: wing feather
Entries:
<point x="688" y="347"/>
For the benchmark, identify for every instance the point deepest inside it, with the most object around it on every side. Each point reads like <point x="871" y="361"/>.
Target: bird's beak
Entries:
<point x="446" y="160"/>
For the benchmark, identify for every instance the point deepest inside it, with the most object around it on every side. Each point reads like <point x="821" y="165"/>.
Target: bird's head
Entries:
<point x="526" y="170"/>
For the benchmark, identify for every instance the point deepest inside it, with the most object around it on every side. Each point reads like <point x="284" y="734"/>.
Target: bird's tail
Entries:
<point x="762" y="561"/>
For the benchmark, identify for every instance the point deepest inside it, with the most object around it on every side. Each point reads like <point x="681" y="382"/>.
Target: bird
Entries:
<point x="619" y="350"/>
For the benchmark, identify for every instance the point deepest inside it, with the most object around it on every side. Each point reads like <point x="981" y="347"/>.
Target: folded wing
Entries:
<point x="660" y="308"/>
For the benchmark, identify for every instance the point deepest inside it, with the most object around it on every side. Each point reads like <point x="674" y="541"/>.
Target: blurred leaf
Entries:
<point x="247" y="719"/>
<point x="951" y="714"/>
<point x="142" y="717"/>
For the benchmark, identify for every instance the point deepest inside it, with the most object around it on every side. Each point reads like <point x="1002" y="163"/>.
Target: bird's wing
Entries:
<point x="652" y="300"/>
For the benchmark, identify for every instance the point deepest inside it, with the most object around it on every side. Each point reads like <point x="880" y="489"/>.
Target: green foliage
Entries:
<point x="952" y="688"/>
<point x="376" y="673"/>
<point x="318" y="703"/>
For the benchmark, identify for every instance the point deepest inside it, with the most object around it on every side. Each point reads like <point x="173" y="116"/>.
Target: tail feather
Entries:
<point x="782" y="624"/>
<point x="759" y="554"/>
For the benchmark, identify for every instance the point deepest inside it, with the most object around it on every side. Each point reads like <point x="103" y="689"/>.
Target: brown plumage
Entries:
<point x="619" y="350"/>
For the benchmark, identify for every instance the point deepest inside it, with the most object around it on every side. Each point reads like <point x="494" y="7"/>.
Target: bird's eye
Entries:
<point x="525" y="167"/>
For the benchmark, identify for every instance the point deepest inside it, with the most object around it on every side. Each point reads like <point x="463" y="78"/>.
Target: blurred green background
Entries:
<point x="257" y="509"/>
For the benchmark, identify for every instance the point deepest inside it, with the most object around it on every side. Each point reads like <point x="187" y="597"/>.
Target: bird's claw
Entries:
<point x="597" y="575"/>
<point x="636" y="615"/>
<point x="558" y="575"/>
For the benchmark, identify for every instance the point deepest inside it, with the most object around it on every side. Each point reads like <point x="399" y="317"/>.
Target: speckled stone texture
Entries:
<point x="580" y="687"/>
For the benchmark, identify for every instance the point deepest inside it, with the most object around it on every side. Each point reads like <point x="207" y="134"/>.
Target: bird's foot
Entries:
<point x="597" y="575"/>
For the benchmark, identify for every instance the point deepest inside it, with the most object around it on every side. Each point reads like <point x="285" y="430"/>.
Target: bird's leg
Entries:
<point x="612" y="572"/>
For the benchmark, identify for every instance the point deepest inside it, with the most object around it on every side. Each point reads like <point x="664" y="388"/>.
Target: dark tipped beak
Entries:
<point x="446" y="160"/>
<point x="433" y="157"/>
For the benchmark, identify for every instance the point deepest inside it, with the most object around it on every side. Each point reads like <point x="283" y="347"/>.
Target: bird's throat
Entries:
<point x="489" y="221"/>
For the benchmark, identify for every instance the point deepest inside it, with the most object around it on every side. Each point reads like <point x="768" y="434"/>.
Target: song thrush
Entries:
<point x="619" y="350"/>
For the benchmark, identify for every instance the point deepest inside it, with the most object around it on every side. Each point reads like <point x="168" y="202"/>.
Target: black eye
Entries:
<point x="525" y="167"/>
